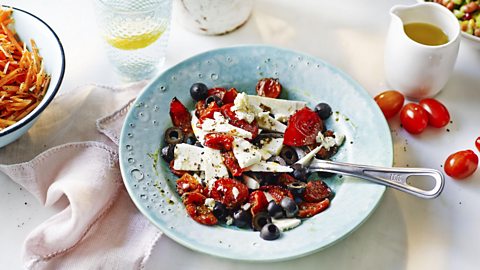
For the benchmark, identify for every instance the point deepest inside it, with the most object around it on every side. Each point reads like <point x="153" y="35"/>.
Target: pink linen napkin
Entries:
<point x="99" y="226"/>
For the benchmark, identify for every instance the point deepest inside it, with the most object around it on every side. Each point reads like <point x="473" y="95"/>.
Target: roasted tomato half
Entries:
<point x="269" y="87"/>
<point x="231" y="163"/>
<point x="188" y="183"/>
<point x="258" y="202"/>
<point x="195" y="204"/>
<point x="303" y="127"/>
<point x="230" y="192"/>
<point x="316" y="191"/>
<point x="219" y="141"/>
<point x="308" y="209"/>
<point x="180" y="116"/>
<point x="250" y="127"/>
<point x="277" y="192"/>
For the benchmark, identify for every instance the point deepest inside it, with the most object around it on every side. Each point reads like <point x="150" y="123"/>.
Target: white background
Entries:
<point x="403" y="233"/>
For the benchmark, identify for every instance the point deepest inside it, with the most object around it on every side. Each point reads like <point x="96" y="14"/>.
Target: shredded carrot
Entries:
<point x="23" y="81"/>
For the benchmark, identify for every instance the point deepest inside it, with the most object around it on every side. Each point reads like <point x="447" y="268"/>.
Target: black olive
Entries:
<point x="213" y="98"/>
<point x="220" y="211"/>
<point x="323" y="110"/>
<point x="190" y="139"/>
<point x="289" y="206"/>
<point x="275" y="210"/>
<point x="174" y="135"/>
<point x="289" y="155"/>
<point x="167" y="152"/>
<point x="300" y="172"/>
<point x="267" y="136"/>
<point x="278" y="160"/>
<point x="199" y="91"/>
<point x="264" y="178"/>
<point x="297" y="188"/>
<point x="259" y="220"/>
<point x="242" y="218"/>
<point x="269" y="232"/>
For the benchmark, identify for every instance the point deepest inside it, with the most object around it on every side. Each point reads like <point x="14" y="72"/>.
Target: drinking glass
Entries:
<point x="136" y="34"/>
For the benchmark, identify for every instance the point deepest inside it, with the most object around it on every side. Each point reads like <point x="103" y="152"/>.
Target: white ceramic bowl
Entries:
<point x="29" y="26"/>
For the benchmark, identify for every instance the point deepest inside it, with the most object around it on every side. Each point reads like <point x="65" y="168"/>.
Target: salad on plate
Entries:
<point x="243" y="159"/>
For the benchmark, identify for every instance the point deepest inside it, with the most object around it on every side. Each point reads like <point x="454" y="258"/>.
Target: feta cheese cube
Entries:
<point x="214" y="167"/>
<point x="188" y="157"/>
<point x="268" y="166"/>
<point x="246" y="153"/>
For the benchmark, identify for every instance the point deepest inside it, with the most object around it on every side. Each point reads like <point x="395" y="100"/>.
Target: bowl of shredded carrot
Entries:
<point x="32" y="65"/>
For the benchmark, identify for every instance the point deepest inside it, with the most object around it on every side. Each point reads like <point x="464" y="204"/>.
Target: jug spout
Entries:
<point x="398" y="12"/>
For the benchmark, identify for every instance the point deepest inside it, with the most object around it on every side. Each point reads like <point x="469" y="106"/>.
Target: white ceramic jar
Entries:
<point x="214" y="17"/>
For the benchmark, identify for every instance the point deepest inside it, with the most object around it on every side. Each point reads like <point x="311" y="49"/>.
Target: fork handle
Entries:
<point x="392" y="177"/>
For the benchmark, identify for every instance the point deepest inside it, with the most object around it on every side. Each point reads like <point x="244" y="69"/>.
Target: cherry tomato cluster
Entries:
<point x="414" y="117"/>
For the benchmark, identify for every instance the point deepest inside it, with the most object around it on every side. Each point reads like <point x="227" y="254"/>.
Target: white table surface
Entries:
<point x="403" y="233"/>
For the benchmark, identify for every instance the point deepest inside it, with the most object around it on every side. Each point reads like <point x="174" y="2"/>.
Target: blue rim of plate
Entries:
<point x="177" y="235"/>
<point x="32" y="116"/>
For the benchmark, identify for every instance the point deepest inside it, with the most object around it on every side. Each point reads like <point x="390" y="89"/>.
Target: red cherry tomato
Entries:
<point x="390" y="102"/>
<point x="195" y="205"/>
<point x="232" y="117"/>
<point x="477" y="143"/>
<point x="316" y="191"/>
<point x="180" y="116"/>
<point x="303" y="127"/>
<point x="269" y="87"/>
<point x="307" y="209"/>
<point x="231" y="163"/>
<point x="413" y="118"/>
<point x="258" y="202"/>
<point x="219" y="141"/>
<point x="277" y="192"/>
<point x="230" y="192"/>
<point x="438" y="115"/>
<point x="188" y="183"/>
<point x="461" y="164"/>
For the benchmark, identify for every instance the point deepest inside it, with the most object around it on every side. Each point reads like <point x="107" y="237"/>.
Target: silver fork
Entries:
<point x="392" y="177"/>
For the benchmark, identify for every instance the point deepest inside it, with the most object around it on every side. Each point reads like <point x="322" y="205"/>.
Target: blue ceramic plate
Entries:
<point x="152" y="186"/>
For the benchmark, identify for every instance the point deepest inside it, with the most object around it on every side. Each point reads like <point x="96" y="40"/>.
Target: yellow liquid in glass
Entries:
<point x="425" y="33"/>
<point x="134" y="42"/>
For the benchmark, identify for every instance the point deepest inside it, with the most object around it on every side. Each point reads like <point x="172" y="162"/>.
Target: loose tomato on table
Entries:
<point x="233" y="119"/>
<point x="414" y="118"/>
<point x="269" y="87"/>
<point x="180" y="116"/>
<point x="303" y="127"/>
<point x="258" y="202"/>
<point x="308" y="209"/>
<point x="461" y="164"/>
<point x="195" y="205"/>
<point x="231" y="163"/>
<point x="230" y="192"/>
<point x="477" y="143"/>
<point x="219" y="141"/>
<point x="438" y="115"/>
<point x="390" y="102"/>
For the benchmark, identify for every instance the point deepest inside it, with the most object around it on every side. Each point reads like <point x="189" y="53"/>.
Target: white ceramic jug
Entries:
<point x="415" y="69"/>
